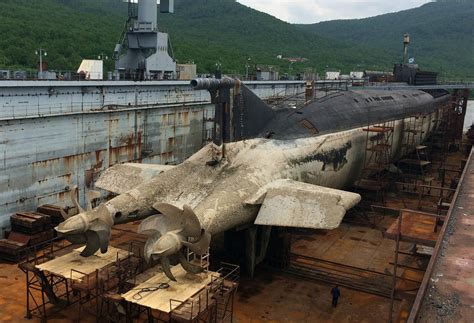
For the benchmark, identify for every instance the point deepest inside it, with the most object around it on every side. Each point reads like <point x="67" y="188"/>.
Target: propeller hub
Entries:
<point x="74" y="225"/>
<point x="168" y="245"/>
<point x="169" y="231"/>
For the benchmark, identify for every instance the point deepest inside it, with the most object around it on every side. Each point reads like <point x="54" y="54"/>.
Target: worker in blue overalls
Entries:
<point x="335" y="292"/>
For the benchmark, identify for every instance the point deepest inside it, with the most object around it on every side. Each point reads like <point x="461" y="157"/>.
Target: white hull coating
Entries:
<point x="218" y="193"/>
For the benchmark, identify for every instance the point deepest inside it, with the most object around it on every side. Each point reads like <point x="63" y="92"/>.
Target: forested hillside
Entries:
<point x="67" y="29"/>
<point x="203" y="31"/>
<point x="442" y="34"/>
<point x="210" y="31"/>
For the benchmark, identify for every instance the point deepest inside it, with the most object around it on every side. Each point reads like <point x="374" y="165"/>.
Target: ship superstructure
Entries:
<point x="143" y="52"/>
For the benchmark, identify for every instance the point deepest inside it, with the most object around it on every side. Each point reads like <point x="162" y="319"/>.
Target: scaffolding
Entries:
<point x="48" y="293"/>
<point x="414" y="227"/>
<point x="412" y="130"/>
<point x="416" y="161"/>
<point x="377" y="158"/>
<point x="215" y="303"/>
<point x="44" y="292"/>
<point x="199" y="260"/>
<point x="449" y="125"/>
<point x="415" y="164"/>
<point x="212" y="303"/>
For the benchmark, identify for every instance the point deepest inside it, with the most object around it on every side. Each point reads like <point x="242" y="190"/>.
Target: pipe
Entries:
<point x="213" y="84"/>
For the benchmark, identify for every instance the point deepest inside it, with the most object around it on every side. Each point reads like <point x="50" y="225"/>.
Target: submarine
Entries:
<point x="284" y="167"/>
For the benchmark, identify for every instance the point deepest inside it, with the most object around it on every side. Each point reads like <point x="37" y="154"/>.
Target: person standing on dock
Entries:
<point x="335" y="292"/>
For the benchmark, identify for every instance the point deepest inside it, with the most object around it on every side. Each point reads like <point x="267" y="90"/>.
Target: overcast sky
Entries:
<point x="312" y="11"/>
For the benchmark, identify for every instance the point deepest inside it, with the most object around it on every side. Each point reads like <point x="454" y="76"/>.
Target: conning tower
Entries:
<point x="142" y="51"/>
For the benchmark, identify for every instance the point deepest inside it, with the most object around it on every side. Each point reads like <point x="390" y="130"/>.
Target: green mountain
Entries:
<point x="68" y="30"/>
<point x="208" y="31"/>
<point x="224" y="31"/>
<point x="442" y="35"/>
<point x="203" y="31"/>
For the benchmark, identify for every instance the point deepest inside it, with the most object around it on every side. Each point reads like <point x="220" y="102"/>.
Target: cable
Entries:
<point x="138" y="296"/>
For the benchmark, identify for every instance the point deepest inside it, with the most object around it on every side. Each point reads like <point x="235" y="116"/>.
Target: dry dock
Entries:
<point x="378" y="256"/>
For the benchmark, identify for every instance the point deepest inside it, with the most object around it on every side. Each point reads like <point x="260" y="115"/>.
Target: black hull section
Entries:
<point x="351" y="109"/>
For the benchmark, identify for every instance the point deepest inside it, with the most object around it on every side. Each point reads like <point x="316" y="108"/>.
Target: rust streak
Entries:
<point x="69" y="160"/>
<point x="185" y="118"/>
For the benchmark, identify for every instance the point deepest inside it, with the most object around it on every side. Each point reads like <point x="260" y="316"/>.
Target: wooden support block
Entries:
<point x="11" y="250"/>
<point x="33" y="239"/>
<point x="53" y="211"/>
<point x="30" y="222"/>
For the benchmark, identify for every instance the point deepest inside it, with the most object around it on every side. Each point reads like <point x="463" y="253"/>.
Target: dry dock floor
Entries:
<point x="277" y="297"/>
<point x="357" y="253"/>
<point x="272" y="295"/>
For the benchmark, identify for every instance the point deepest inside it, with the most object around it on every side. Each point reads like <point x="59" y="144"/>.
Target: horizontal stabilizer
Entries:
<point x="124" y="177"/>
<point x="288" y="203"/>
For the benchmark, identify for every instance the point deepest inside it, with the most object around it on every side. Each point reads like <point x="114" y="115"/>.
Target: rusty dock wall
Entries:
<point x="56" y="134"/>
